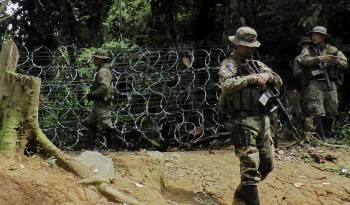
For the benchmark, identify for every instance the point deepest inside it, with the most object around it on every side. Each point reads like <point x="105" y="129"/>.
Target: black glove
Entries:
<point x="90" y="97"/>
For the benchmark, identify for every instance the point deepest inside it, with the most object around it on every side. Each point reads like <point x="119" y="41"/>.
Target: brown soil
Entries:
<point x="32" y="181"/>
<point x="203" y="177"/>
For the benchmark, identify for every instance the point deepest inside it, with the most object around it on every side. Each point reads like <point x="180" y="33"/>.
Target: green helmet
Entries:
<point x="320" y="29"/>
<point x="102" y="54"/>
<point x="245" y="36"/>
<point x="304" y="40"/>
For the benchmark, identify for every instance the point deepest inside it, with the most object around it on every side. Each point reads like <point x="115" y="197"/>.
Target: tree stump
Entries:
<point x="19" y="95"/>
<point x="19" y="108"/>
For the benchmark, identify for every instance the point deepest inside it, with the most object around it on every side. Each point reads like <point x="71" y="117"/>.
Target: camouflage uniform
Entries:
<point x="304" y="42"/>
<point x="240" y="101"/>
<point x="101" y="93"/>
<point x="319" y="101"/>
<point x="297" y="67"/>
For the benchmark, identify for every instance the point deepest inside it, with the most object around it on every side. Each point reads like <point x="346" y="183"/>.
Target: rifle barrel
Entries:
<point x="289" y="120"/>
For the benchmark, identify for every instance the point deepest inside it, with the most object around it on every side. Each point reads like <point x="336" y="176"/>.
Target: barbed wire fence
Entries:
<point x="166" y="95"/>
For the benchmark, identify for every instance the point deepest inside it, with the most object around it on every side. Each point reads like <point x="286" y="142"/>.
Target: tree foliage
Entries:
<point x="3" y="6"/>
<point x="53" y="23"/>
<point x="128" y="20"/>
<point x="161" y="23"/>
<point x="122" y="25"/>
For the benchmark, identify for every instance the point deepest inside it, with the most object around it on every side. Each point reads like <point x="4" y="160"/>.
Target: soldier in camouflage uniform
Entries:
<point x="304" y="42"/>
<point x="241" y="91"/>
<point x="321" y="103"/>
<point x="99" y="122"/>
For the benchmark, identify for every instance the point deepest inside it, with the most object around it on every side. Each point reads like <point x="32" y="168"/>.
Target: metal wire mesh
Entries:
<point x="170" y="96"/>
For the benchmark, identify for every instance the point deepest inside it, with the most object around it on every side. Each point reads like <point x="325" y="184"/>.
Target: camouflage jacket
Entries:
<point x="308" y="56"/>
<point x="232" y="81"/>
<point x="309" y="64"/>
<point x="297" y="67"/>
<point x="240" y="95"/>
<point x="102" y="85"/>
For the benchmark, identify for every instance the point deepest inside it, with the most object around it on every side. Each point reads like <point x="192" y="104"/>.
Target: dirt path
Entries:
<point x="217" y="175"/>
<point x="201" y="177"/>
<point x="211" y="177"/>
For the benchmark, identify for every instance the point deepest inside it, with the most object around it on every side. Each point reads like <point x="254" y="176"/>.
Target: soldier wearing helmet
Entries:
<point x="99" y="122"/>
<point x="251" y="132"/>
<point x="320" y="99"/>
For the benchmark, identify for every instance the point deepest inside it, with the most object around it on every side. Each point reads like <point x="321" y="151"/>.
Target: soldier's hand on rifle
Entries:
<point x="259" y="79"/>
<point x="328" y="59"/>
<point x="252" y="79"/>
<point x="262" y="79"/>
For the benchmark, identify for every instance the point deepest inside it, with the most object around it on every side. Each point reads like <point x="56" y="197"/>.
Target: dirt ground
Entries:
<point x="199" y="177"/>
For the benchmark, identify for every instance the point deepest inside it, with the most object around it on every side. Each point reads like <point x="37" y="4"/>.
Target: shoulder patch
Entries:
<point x="231" y="67"/>
<point x="228" y="68"/>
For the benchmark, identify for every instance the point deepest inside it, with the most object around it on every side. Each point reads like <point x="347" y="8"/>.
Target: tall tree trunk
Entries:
<point x="164" y="19"/>
<point x="205" y="20"/>
<point x="231" y="20"/>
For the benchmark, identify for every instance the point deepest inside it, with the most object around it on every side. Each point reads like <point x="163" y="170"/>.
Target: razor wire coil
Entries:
<point x="167" y="95"/>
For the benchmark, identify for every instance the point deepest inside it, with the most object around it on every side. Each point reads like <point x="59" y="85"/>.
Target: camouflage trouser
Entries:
<point x="318" y="101"/>
<point x="100" y="116"/>
<point x="254" y="146"/>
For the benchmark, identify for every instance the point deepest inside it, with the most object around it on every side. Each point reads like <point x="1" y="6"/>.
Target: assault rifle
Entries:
<point x="270" y="99"/>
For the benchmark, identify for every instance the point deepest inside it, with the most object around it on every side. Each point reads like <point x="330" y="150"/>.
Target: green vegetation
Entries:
<point x="122" y="26"/>
<point x="343" y="133"/>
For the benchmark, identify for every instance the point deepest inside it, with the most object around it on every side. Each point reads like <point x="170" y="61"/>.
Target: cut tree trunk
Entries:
<point x="15" y="91"/>
<point x="19" y="123"/>
<point x="19" y="106"/>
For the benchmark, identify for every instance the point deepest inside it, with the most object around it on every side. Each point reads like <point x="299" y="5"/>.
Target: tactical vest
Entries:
<point x="333" y="71"/>
<point x="244" y="102"/>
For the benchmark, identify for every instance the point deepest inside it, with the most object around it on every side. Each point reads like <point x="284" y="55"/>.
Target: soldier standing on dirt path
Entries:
<point x="99" y="122"/>
<point x="251" y="132"/>
<point x="321" y="98"/>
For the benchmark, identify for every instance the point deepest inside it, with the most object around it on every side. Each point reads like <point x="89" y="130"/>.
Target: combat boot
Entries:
<point x="328" y="126"/>
<point x="111" y="141"/>
<point x="238" y="198"/>
<point x="251" y="194"/>
<point x="320" y="127"/>
<point x="91" y="137"/>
